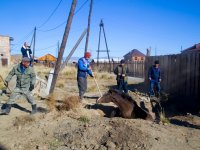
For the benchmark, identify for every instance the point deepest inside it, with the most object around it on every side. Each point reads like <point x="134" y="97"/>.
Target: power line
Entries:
<point x="50" y="15"/>
<point x="80" y="7"/>
<point x="23" y="39"/>
<point x="64" y="21"/>
<point x="48" y="47"/>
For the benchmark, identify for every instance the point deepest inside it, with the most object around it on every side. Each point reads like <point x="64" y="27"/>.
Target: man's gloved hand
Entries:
<point x="31" y="87"/>
<point x="6" y="83"/>
<point x="92" y="75"/>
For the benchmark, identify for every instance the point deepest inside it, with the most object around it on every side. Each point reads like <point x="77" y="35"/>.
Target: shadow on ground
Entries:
<point x="39" y="109"/>
<point x="109" y="111"/>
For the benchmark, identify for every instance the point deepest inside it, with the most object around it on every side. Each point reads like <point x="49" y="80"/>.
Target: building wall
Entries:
<point x="128" y="57"/>
<point x="138" y="58"/>
<point x="4" y="49"/>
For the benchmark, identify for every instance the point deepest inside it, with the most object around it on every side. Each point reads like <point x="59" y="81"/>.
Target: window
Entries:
<point x="136" y="58"/>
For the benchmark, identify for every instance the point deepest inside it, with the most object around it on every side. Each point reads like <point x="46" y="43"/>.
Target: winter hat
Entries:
<point x="156" y="62"/>
<point x="122" y="61"/>
<point x="25" y="59"/>
<point x="87" y="55"/>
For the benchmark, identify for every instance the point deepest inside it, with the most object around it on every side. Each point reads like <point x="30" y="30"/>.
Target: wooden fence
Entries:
<point x="180" y="73"/>
<point x="135" y="69"/>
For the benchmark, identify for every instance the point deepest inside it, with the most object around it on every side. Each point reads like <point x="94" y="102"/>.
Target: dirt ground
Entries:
<point x="81" y="128"/>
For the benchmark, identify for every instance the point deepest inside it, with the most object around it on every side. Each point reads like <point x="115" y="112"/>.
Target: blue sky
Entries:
<point x="163" y="25"/>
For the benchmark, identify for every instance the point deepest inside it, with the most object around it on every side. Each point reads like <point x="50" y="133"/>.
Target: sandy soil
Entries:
<point x="85" y="129"/>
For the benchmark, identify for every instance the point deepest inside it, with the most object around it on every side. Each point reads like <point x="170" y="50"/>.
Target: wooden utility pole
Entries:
<point x="63" y="44"/>
<point x="58" y="48"/>
<point x="34" y="45"/>
<point x="88" y="28"/>
<point x="72" y="51"/>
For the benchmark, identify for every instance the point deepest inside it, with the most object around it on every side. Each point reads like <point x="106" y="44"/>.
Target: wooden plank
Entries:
<point x="161" y="69"/>
<point x="164" y="73"/>
<point x="172" y="74"/>
<point x="197" y="78"/>
<point x="182" y="71"/>
<point x="178" y="75"/>
<point x="198" y="75"/>
<point x="188" y="67"/>
<point x="192" y="74"/>
<point x="146" y="69"/>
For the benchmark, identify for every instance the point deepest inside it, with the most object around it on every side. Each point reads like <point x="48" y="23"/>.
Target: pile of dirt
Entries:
<point x="102" y="134"/>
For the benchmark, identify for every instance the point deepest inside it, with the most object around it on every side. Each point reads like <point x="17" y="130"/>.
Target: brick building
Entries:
<point x="194" y="48"/>
<point x="5" y="42"/>
<point x="134" y="55"/>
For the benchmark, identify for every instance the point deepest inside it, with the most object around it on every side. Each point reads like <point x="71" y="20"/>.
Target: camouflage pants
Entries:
<point x="19" y="92"/>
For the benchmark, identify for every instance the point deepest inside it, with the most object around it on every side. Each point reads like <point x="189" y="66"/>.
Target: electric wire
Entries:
<point x="23" y="39"/>
<point x="64" y="21"/>
<point x="50" y="15"/>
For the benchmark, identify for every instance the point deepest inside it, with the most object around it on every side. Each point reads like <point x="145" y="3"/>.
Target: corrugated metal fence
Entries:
<point x="180" y="73"/>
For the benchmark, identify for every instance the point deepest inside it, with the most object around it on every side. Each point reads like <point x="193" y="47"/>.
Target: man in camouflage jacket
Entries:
<point x="25" y="82"/>
<point x="122" y="78"/>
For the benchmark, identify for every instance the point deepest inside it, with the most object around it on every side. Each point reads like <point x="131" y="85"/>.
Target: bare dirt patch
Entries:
<point x="77" y="127"/>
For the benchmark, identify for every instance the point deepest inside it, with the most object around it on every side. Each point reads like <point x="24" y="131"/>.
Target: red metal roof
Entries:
<point x="135" y="52"/>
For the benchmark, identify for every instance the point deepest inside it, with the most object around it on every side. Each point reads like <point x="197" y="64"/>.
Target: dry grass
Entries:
<point x="64" y="104"/>
<point x="92" y="88"/>
<point x="20" y="121"/>
<point x="104" y="76"/>
<point x="84" y="119"/>
<point x="163" y="119"/>
<point x="42" y="71"/>
<point x="69" y="70"/>
<point x="69" y="103"/>
<point x="4" y="72"/>
<point x="51" y="101"/>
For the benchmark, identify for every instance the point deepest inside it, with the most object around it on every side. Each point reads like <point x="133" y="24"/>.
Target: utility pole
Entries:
<point x="102" y="26"/>
<point x="34" y="45"/>
<point x="88" y="28"/>
<point x="72" y="51"/>
<point x="63" y="44"/>
<point x="58" y="48"/>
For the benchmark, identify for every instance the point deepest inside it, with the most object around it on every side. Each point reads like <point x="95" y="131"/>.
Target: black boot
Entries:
<point x="34" y="109"/>
<point x="6" y="110"/>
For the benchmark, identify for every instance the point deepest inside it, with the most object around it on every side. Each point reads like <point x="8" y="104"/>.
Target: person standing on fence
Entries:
<point x="122" y="78"/>
<point x="154" y="77"/>
<point x="25" y="82"/>
<point x="26" y="52"/>
<point x="84" y="70"/>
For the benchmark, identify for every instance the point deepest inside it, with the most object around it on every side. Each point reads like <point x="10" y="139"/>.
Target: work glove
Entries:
<point x="92" y="76"/>
<point x="31" y="87"/>
<point x="6" y="83"/>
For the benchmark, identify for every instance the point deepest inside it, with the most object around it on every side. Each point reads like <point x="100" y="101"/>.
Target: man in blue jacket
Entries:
<point x="83" y="70"/>
<point x="26" y="52"/>
<point x="154" y="77"/>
